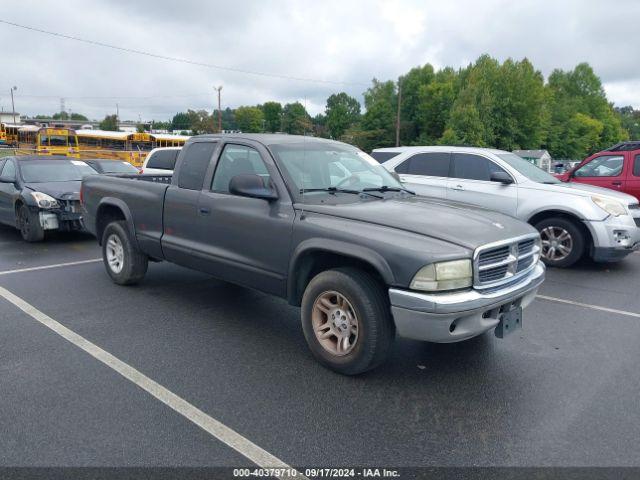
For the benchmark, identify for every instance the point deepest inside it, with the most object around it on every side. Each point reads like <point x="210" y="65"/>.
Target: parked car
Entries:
<point x="323" y="225"/>
<point x="617" y="168"/>
<point x="572" y="219"/>
<point x="160" y="160"/>
<point x="38" y="194"/>
<point x="111" y="166"/>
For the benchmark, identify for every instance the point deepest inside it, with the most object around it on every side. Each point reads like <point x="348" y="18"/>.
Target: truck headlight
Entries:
<point x="612" y="207"/>
<point x="45" y="201"/>
<point x="443" y="276"/>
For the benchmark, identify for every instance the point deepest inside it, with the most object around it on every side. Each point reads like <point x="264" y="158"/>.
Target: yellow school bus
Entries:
<point x="47" y="141"/>
<point x="10" y="134"/>
<point x="130" y="147"/>
<point x="3" y="134"/>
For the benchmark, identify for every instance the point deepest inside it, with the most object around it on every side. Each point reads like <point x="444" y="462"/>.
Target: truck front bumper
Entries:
<point x="614" y="238"/>
<point x="457" y="316"/>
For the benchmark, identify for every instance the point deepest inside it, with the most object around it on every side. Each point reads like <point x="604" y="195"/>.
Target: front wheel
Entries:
<point x="124" y="262"/>
<point x="347" y="321"/>
<point x="563" y="242"/>
<point x="29" y="225"/>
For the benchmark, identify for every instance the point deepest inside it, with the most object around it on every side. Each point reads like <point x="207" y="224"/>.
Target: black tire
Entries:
<point x="370" y="305"/>
<point x="134" y="263"/>
<point x="578" y="240"/>
<point x="29" y="225"/>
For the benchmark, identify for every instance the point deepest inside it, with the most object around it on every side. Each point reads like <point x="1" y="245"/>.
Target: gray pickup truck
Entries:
<point x="323" y="225"/>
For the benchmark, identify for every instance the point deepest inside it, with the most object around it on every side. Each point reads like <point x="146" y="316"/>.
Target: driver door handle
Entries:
<point x="457" y="187"/>
<point x="616" y="184"/>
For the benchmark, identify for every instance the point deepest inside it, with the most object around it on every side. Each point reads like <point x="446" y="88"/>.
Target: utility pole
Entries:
<point x="398" y="114"/>
<point x="13" y="106"/>
<point x="219" y="109"/>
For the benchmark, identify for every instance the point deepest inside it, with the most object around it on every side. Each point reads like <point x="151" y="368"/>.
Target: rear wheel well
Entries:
<point x="538" y="217"/>
<point x="107" y="214"/>
<point x="315" y="262"/>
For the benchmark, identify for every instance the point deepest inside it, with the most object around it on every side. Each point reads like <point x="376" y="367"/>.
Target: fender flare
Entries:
<point x="323" y="245"/>
<point x="124" y="208"/>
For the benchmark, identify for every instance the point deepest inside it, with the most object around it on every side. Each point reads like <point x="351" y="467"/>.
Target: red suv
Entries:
<point x="617" y="168"/>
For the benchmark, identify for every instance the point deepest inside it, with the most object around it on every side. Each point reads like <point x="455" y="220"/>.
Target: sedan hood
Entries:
<point x="585" y="190"/>
<point x="458" y="223"/>
<point x="58" y="190"/>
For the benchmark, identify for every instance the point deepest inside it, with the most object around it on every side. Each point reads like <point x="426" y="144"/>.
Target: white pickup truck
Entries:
<point x="573" y="219"/>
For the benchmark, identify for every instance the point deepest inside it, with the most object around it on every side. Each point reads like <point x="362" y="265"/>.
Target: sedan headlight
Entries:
<point x="612" y="207"/>
<point x="45" y="201"/>
<point x="443" y="276"/>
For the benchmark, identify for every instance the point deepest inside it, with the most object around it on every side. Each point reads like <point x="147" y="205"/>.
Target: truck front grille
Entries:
<point x="500" y="263"/>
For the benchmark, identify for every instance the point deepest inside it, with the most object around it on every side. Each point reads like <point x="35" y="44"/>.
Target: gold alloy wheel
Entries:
<point x="335" y="323"/>
<point x="556" y="243"/>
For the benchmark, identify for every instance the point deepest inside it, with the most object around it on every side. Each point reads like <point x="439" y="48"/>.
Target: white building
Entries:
<point x="8" y="117"/>
<point x="540" y="158"/>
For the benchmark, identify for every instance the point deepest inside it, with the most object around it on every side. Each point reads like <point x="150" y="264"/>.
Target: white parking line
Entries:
<point x="250" y="450"/>
<point x="592" y="307"/>
<point x="46" y="267"/>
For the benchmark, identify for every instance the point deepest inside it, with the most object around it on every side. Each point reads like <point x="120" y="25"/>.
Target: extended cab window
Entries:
<point x="238" y="160"/>
<point x="636" y="166"/>
<point x="163" y="159"/>
<point x="434" y="164"/>
<point x="473" y="167"/>
<point x="194" y="165"/>
<point x="604" y="166"/>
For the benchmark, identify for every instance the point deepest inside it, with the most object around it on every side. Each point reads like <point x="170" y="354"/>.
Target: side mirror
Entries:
<point x="251" y="185"/>
<point x="4" y="179"/>
<point x="501" y="177"/>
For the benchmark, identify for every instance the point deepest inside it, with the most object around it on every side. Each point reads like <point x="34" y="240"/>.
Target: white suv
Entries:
<point x="161" y="160"/>
<point x="573" y="219"/>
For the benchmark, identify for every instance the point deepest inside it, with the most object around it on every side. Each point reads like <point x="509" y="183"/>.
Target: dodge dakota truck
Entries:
<point x="326" y="227"/>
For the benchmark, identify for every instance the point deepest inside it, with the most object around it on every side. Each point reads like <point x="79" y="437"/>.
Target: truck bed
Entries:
<point x="140" y="197"/>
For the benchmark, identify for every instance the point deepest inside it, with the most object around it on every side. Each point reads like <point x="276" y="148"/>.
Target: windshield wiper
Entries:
<point x="338" y="190"/>
<point x="387" y="188"/>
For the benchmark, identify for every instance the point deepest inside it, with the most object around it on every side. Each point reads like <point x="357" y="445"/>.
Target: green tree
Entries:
<point x="110" y="123"/>
<point x="433" y="110"/>
<point x="630" y="121"/>
<point x="412" y="84"/>
<point x="378" y="122"/>
<point x="295" y="119"/>
<point x="140" y="128"/>
<point x="580" y="91"/>
<point x="201" y="122"/>
<point x="272" y="116"/>
<point x="249" y="119"/>
<point x="342" y="112"/>
<point x="181" y="121"/>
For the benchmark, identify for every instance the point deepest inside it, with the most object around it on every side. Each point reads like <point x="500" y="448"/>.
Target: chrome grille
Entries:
<point x="503" y="262"/>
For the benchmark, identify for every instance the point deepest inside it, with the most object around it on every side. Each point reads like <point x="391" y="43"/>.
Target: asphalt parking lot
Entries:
<point x="562" y="392"/>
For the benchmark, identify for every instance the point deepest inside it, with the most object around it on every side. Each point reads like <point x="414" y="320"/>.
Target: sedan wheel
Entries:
<point x="557" y="243"/>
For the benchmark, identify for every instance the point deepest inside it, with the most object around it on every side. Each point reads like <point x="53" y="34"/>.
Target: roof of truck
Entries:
<point x="267" y="138"/>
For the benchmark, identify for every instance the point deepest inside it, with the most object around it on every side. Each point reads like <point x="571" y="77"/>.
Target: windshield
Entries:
<point x="528" y="169"/>
<point x="118" y="167"/>
<point x="54" y="171"/>
<point x="316" y="165"/>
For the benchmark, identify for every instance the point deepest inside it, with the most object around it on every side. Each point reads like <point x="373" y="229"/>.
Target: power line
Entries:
<point x="179" y="60"/>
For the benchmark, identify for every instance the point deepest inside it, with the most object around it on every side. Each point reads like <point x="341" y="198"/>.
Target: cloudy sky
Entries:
<point x="340" y="44"/>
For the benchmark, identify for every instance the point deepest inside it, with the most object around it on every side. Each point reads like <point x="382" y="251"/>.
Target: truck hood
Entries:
<point x="584" y="190"/>
<point x="58" y="190"/>
<point x="458" y="223"/>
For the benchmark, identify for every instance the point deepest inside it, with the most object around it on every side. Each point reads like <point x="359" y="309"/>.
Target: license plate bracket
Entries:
<point x="509" y="322"/>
